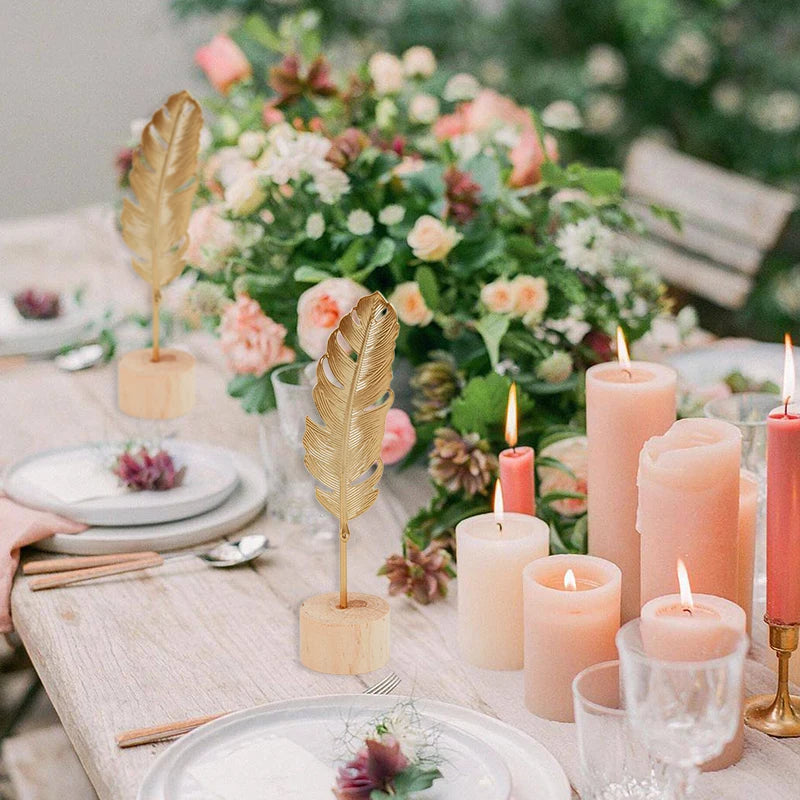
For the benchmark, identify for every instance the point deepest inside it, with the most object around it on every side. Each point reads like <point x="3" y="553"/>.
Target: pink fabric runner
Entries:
<point x="20" y="526"/>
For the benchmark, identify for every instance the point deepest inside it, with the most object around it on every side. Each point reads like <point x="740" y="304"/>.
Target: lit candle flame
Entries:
<point x="511" y="417"/>
<point x="788" y="372"/>
<point x="622" y="351"/>
<point x="569" y="581"/>
<point x="498" y="504"/>
<point x="687" y="601"/>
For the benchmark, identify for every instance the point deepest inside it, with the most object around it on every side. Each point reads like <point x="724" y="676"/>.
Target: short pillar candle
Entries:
<point x="572" y="614"/>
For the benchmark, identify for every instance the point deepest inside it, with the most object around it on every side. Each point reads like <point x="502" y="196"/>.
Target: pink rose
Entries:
<point x="321" y="308"/>
<point x="399" y="436"/>
<point x="527" y="158"/>
<point x="489" y="110"/>
<point x="253" y="342"/>
<point x="223" y="62"/>
<point x="211" y="238"/>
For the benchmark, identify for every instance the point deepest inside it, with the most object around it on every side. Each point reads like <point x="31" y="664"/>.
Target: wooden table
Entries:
<point x="184" y="640"/>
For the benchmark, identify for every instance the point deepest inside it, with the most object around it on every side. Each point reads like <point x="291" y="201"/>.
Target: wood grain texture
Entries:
<point x="163" y="389"/>
<point x="184" y="641"/>
<point x="47" y="566"/>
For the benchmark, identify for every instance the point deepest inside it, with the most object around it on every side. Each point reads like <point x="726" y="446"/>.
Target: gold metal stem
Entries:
<point x="344" y="535"/>
<point x="156" y="323"/>
<point x="777" y="715"/>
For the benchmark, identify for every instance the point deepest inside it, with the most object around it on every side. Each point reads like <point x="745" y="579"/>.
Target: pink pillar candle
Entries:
<point x="783" y="516"/>
<point x="689" y="507"/>
<point x="516" y="478"/>
<point x="745" y="571"/>
<point x="567" y="629"/>
<point x="490" y="564"/>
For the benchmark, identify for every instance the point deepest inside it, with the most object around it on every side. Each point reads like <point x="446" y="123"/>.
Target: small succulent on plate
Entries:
<point x="37" y="304"/>
<point x="140" y="470"/>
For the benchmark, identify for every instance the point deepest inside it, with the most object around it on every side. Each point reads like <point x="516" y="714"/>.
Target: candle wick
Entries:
<point x="628" y="372"/>
<point x="499" y="527"/>
<point x="687" y="610"/>
<point x="786" y="407"/>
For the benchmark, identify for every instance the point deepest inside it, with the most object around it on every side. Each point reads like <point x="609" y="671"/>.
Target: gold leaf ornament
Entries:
<point x="163" y="179"/>
<point x="352" y="396"/>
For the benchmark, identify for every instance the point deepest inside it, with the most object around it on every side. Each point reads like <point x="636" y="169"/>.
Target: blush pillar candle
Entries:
<point x="745" y="571"/>
<point x="492" y="553"/>
<point x="572" y="614"/>
<point x="689" y="507"/>
<point x="626" y="404"/>
<point x="516" y="465"/>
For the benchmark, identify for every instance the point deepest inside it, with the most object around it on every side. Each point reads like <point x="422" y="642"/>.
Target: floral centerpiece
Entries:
<point x="503" y="264"/>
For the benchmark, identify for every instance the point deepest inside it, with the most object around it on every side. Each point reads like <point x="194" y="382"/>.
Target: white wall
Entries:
<point x="73" y="73"/>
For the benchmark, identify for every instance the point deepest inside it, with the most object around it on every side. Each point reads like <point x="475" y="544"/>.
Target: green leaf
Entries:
<point x="493" y="327"/>
<point x="557" y="545"/>
<point x="306" y="274"/>
<point x="481" y="406"/>
<point x="428" y="286"/>
<point x="601" y="182"/>
<point x="256" y="28"/>
<point x="553" y="463"/>
<point x="668" y="214"/>
<point x="553" y="497"/>
<point x="485" y="171"/>
<point x="428" y="180"/>
<point x="415" y="779"/>
<point x="381" y="256"/>
<point x="254" y="392"/>
<point x="579" y="537"/>
<point x="348" y="262"/>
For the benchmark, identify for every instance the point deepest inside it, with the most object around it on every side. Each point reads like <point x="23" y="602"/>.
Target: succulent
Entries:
<point x="461" y="463"/>
<point x="142" y="470"/>
<point x="421" y="574"/>
<point x="37" y="304"/>
<point x="435" y="384"/>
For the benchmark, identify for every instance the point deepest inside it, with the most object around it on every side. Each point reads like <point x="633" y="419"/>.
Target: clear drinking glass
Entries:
<point x="614" y="763"/>
<point x="684" y="712"/>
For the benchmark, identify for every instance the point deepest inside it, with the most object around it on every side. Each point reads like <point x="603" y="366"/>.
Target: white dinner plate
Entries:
<point x="479" y="753"/>
<point x="245" y="504"/>
<point x="38" y="337"/>
<point x="209" y="480"/>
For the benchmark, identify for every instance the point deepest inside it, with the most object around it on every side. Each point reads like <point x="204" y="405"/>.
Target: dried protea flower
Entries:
<point x="420" y="574"/>
<point x="461" y="463"/>
<point x="435" y="384"/>
<point x="462" y="194"/>
<point x="37" y="304"/>
<point x="373" y="769"/>
<point x="142" y="470"/>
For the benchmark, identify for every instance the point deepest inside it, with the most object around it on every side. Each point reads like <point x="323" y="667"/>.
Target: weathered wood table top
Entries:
<point x="184" y="640"/>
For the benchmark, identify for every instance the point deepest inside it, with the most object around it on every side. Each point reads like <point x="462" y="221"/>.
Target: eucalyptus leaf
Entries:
<point x="428" y="287"/>
<point x="308" y="274"/>
<point x="492" y="328"/>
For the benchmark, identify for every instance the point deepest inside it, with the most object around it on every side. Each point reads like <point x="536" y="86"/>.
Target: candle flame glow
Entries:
<point x="687" y="601"/>
<point x="569" y="581"/>
<point x="511" y="416"/>
<point x="788" y="371"/>
<point x="498" y="503"/>
<point x="622" y="351"/>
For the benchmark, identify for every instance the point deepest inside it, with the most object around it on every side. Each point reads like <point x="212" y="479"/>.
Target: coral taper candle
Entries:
<point x="626" y="403"/>
<point x="783" y="504"/>
<point x="516" y="465"/>
<point x="493" y="549"/>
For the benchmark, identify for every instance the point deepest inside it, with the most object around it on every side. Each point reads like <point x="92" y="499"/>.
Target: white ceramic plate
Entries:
<point x="245" y="504"/>
<point x="210" y="479"/>
<point x="38" y="337"/>
<point x="470" y="744"/>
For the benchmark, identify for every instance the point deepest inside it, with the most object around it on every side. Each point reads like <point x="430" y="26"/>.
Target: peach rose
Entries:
<point x="399" y="436"/>
<point x="527" y="158"/>
<point x="572" y="453"/>
<point x="488" y="111"/>
<point x="321" y="308"/>
<point x="410" y="305"/>
<point x="431" y="239"/>
<point x="386" y="71"/>
<point x="499" y="296"/>
<point x="531" y="295"/>
<point x="252" y="341"/>
<point x="211" y="238"/>
<point x="223" y="62"/>
<point x="419" y="62"/>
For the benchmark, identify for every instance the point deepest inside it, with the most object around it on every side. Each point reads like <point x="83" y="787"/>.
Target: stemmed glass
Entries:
<point x="684" y="712"/>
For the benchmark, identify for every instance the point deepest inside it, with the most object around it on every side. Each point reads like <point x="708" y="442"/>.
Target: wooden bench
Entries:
<point x="731" y="225"/>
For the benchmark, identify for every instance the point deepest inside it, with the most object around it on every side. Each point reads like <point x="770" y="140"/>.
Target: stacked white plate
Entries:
<point x="221" y="492"/>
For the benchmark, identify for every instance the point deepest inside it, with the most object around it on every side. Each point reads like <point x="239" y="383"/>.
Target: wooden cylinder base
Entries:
<point x="344" y="641"/>
<point x="162" y="389"/>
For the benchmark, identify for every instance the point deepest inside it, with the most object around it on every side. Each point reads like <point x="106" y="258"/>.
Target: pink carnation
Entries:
<point x="487" y="111"/>
<point x="527" y="158"/>
<point x="321" y="308"/>
<point x="223" y="62"/>
<point x="211" y="238"/>
<point x="253" y="342"/>
<point x="399" y="436"/>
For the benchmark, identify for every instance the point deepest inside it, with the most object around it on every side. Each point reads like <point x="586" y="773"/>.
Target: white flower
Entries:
<point x="727" y="98"/>
<point x="571" y="327"/>
<point x="137" y="128"/>
<point x="499" y="296"/>
<point x="291" y="155"/>
<point x="687" y="320"/>
<point x="603" y="112"/>
<point x="206" y="138"/>
<point x="620" y="287"/>
<point x="228" y="128"/>
<point x="688" y="57"/>
<point x="556" y="368"/>
<point x="778" y="112"/>
<point x="386" y="71"/>
<point x="465" y="146"/>
<point x="410" y="305"/>
<point x="419" y="62"/>
<point x="245" y="195"/>
<point x="564" y="196"/>
<point x="461" y="86"/>
<point x="315" y="225"/>
<point x="586" y="245"/>
<point x="423" y="108"/>
<point x="391" y="215"/>
<point x="251" y="143"/>
<point x="605" y="66"/>
<point x="431" y="240"/>
<point x="331" y="184"/>
<point x="360" y="222"/>
<point x="563" y="115"/>
<point x="406" y="729"/>
<point x="227" y="165"/>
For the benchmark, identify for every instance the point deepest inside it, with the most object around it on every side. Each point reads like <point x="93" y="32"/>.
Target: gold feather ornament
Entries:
<point x="352" y="396"/>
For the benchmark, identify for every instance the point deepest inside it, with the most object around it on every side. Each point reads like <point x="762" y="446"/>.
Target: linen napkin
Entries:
<point x="73" y="478"/>
<point x="20" y="526"/>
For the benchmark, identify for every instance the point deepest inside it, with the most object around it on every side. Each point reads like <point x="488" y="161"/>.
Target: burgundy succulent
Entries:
<point x="420" y="574"/>
<point x="37" y="304"/>
<point x="142" y="470"/>
<point x="290" y="85"/>
<point x="462" y="193"/>
<point x="374" y="767"/>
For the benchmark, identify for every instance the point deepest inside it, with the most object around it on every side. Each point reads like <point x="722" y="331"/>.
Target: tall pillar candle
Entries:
<point x="689" y="507"/>
<point x="516" y="465"/>
<point x="745" y="570"/>
<point x="572" y="614"/>
<point x="492" y="553"/>
<point x="626" y="404"/>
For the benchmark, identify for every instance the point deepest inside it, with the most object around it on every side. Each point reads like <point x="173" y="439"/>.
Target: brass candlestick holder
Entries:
<point x="777" y="715"/>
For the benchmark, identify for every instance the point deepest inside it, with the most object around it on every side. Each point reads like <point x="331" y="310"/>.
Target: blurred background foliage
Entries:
<point x="717" y="79"/>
